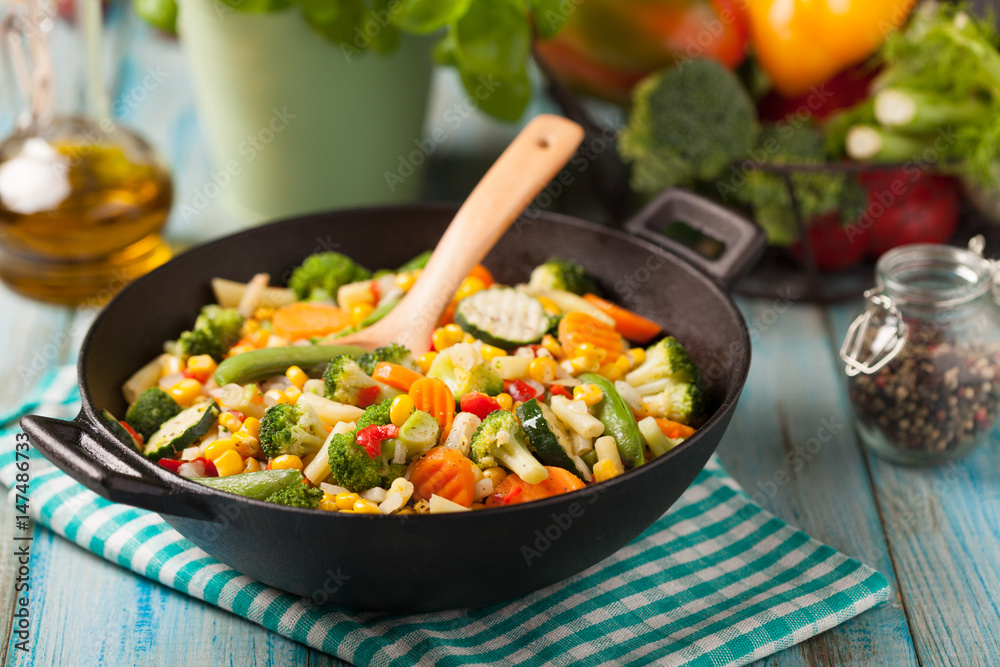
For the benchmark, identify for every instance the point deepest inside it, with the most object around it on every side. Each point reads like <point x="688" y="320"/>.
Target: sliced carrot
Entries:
<point x="394" y="375"/>
<point x="481" y="272"/>
<point x="435" y="398"/>
<point x="673" y="429"/>
<point x="443" y="471"/>
<point x="306" y="319"/>
<point x="513" y="490"/>
<point x="576" y="329"/>
<point x="633" y="326"/>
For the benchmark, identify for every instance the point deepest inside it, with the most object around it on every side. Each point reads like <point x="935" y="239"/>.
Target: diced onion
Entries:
<point x="483" y="488"/>
<point x="376" y="494"/>
<point x="332" y="489"/>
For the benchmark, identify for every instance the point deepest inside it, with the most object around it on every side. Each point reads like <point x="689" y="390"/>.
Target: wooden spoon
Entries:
<point x="532" y="160"/>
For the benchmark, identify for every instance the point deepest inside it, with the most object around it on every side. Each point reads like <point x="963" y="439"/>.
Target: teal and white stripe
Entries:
<point x="716" y="581"/>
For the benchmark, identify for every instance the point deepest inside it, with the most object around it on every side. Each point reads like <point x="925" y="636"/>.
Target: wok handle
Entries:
<point x="744" y="242"/>
<point x="76" y="449"/>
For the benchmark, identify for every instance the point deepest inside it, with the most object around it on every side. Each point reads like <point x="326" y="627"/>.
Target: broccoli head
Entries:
<point x="464" y="370"/>
<point x="669" y="382"/>
<point x="320" y="276"/>
<point x="562" y="274"/>
<point x="297" y="495"/>
<point x="687" y="123"/>
<point x="394" y="353"/>
<point x="214" y="332"/>
<point x="153" y="407"/>
<point x="500" y="440"/>
<point x="351" y="465"/>
<point x="817" y="193"/>
<point x="290" y="429"/>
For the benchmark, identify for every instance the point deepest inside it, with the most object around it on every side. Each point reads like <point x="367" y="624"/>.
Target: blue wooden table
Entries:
<point x="935" y="533"/>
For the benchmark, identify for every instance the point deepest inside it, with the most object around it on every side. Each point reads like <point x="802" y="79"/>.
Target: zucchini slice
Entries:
<point x="550" y="439"/>
<point x="120" y="431"/>
<point x="503" y="317"/>
<point x="183" y="430"/>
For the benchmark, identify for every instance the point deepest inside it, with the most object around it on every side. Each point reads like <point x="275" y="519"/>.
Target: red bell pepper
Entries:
<point x="479" y="404"/>
<point x="371" y="438"/>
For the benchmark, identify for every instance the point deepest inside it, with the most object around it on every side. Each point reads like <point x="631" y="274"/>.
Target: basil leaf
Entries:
<point x="426" y="16"/>
<point x="493" y="37"/>
<point x="502" y="96"/>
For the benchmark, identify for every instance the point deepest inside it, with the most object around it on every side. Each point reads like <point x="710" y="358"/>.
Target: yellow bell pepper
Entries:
<point x="802" y="43"/>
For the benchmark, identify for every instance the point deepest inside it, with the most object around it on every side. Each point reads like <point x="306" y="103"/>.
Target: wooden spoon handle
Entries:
<point x="527" y="165"/>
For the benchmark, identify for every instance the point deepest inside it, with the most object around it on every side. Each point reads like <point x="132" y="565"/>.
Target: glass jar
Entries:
<point x="923" y="358"/>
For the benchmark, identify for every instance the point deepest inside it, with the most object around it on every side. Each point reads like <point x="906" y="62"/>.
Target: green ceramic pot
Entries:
<point x="293" y="122"/>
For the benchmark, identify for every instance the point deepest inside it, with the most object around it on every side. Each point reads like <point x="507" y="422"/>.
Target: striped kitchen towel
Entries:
<point x="715" y="581"/>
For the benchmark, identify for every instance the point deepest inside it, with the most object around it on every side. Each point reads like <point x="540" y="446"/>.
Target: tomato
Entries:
<point x="607" y="46"/>
<point x="909" y="206"/>
<point x="520" y="390"/>
<point x="835" y="246"/>
<point x="479" y="404"/>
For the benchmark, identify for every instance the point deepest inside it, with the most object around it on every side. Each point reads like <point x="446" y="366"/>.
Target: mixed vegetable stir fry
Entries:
<point x="529" y="391"/>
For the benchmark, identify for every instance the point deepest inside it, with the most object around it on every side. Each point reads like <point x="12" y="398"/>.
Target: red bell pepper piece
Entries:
<point x="560" y="390"/>
<point x="170" y="464"/>
<point x="368" y="396"/>
<point x="479" y="404"/>
<point x="371" y="437"/>
<point x="520" y="390"/>
<point x="131" y="432"/>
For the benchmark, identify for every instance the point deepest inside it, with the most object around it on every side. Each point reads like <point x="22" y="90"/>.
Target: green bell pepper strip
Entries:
<point x="257" y="364"/>
<point x="619" y="422"/>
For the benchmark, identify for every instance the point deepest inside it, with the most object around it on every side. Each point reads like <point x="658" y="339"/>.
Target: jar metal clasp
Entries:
<point x="888" y="341"/>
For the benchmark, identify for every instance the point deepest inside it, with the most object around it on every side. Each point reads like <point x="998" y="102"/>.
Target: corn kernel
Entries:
<point x="590" y="394"/>
<point x="347" y="511"/>
<point x="171" y="365"/>
<point x="360" y="311"/>
<point x="401" y="409"/>
<point x="259" y="338"/>
<point x="549" y="305"/>
<point x="229" y="463"/>
<point x="591" y="351"/>
<point x="636" y="356"/>
<point x="362" y="506"/>
<point x="328" y="503"/>
<point x="496" y="473"/>
<point x="505" y="401"/>
<point x="247" y="446"/>
<point x="292" y="394"/>
<point x="550" y="343"/>
<point x="286" y="462"/>
<point x="542" y="369"/>
<point x="605" y="470"/>
<point x="251" y="465"/>
<point x="274" y="397"/>
<point x="490" y="353"/>
<point x="446" y="336"/>
<point x="582" y="364"/>
<point x="218" y="448"/>
<point x="610" y="371"/>
<point x="345" y="500"/>
<point x="231" y="422"/>
<point x="296" y="376"/>
<point x="426" y="360"/>
<point x="469" y="286"/>
<point x="201" y="366"/>
<point x="468" y="338"/>
<point x="240" y="349"/>
<point x="252" y="426"/>
<point x="405" y="281"/>
<point x="186" y="392"/>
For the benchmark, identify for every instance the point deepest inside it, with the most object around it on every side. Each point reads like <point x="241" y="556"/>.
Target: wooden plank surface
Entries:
<point x="943" y="526"/>
<point x="792" y="447"/>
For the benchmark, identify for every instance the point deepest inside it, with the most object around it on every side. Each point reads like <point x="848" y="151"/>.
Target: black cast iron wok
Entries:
<point x="388" y="562"/>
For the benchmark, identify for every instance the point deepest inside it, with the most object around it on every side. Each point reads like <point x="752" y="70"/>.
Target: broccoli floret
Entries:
<point x="817" y="193"/>
<point x="562" y="274"/>
<point x="344" y="380"/>
<point x="464" y="370"/>
<point x="214" y="332"/>
<point x="290" y="429"/>
<point x="500" y="440"/>
<point x="394" y="353"/>
<point x="669" y="382"/>
<point x="351" y="465"/>
<point x="153" y="407"/>
<point x="687" y="123"/>
<point x="299" y="495"/>
<point x="320" y="276"/>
